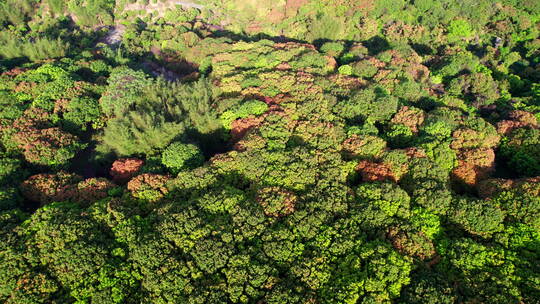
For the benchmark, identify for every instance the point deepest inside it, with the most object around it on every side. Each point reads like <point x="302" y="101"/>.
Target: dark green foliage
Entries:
<point x="11" y="173"/>
<point x="441" y="122"/>
<point x="491" y="276"/>
<point x="125" y="87"/>
<point x="441" y="153"/>
<point x="479" y="88"/>
<point x="428" y="185"/>
<point x="82" y="112"/>
<point x="480" y="217"/>
<point x="9" y="198"/>
<point x="522" y="151"/>
<point x="380" y="203"/>
<point x="365" y="275"/>
<point x="523" y="241"/>
<point x="399" y="136"/>
<point x="333" y="49"/>
<point x="83" y="258"/>
<point x="147" y="120"/>
<point x="520" y="206"/>
<point x="456" y="63"/>
<point x="428" y="287"/>
<point x="23" y="281"/>
<point x="11" y="170"/>
<point x="364" y="69"/>
<point x="12" y="108"/>
<point x="371" y="105"/>
<point x="179" y="156"/>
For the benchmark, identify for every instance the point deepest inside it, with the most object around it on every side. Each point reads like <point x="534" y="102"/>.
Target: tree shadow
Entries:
<point x="211" y="143"/>
<point x="376" y="45"/>
<point x="422" y="49"/>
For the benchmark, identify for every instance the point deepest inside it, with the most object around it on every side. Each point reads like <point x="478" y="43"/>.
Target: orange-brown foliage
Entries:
<point x="412" y="118"/>
<point x="240" y="127"/>
<point x="355" y="146"/>
<point x="474" y="165"/>
<point x="517" y="119"/>
<point x="371" y="171"/>
<point x="124" y="169"/>
<point x="92" y="189"/>
<point x="45" y="188"/>
<point x="414" y="152"/>
<point x="15" y="71"/>
<point x="490" y="187"/>
<point x="148" y="186"/>
<point x="62" y="186"/>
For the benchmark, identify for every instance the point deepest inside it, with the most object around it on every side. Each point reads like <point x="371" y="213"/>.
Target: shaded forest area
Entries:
<point x="270" y="152"/>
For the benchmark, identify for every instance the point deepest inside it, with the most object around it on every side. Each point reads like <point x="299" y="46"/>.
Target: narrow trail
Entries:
<point x="114" y="35"/>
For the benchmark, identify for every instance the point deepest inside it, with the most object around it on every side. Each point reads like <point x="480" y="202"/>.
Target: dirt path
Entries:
<point x="114" y="35"/>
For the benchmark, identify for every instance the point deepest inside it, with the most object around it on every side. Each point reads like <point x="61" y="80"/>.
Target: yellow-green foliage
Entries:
<point x="38" y="49"/>
<point x="92" y="12"/>
<point x="16" y="12"/>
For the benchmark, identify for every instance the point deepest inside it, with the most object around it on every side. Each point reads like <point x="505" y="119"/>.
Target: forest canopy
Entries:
<point x="277" y="152"/>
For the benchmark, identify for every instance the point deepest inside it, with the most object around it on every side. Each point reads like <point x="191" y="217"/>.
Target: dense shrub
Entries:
<point x="276" y="202"/>
<point x="38" y="49"/>
<point x="481" y="217"/>
<point x="42" y="144"/>
<point x="521" y="148"/>
<point x="9" y="198"/>
<point x="459" y="29"/>
<point x="370" y="105"/>
<point x="82" y="112"/>
<point x="148" y="187"/>
<point x="147" y="120"/>
<point x="122" y="170"/>
<point x="125" y="87"/>
<point x="251" y="107"/>
<point x="178" y="156"/>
